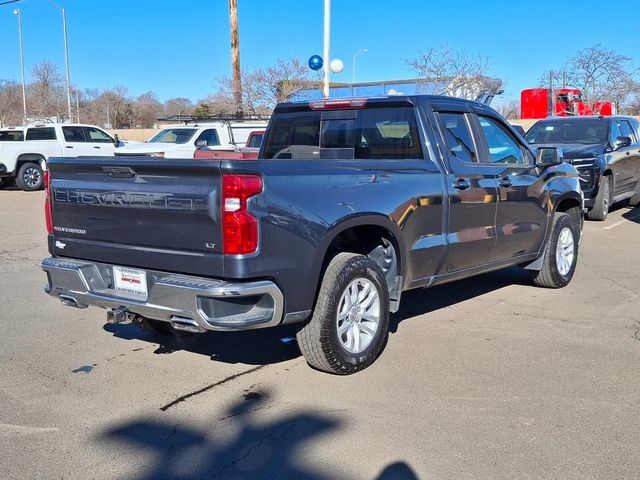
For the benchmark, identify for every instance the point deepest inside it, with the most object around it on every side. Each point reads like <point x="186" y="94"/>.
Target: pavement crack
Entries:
<point x="612" y="280"/>
<point x="209" y="387"/>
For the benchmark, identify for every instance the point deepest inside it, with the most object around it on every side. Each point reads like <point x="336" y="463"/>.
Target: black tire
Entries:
<point x="602" y="202"/>
<point x="30" y="177"/>
<point x="551" y="275"/>
<point x="319" y="339"/>
<point x="3" y="183"/>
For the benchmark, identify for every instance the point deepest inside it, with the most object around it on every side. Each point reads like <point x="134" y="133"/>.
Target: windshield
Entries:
<point x="585" y="131"/>
<point x="173" y="135"/>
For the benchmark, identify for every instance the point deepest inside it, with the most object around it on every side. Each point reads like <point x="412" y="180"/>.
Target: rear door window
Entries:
<point x="73" y="134"/>
<point x="369" y="133"/>
<point x="457" y="136"/>
<point x="41" y="133"/>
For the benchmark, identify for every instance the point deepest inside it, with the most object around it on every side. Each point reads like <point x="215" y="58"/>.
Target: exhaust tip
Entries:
<point x="69" y="301"/>
<point x="186" y="325"/>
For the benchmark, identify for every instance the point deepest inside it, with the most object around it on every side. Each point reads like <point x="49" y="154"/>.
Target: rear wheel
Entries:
<point x="349" y="326"/>
<point x="600" y="208"/>
<point x="29" y="177"/>
<point x="561" y="254"/>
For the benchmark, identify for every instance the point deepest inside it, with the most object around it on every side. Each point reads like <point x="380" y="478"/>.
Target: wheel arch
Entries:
<point x="571" y="203"/>
<point x="30" y="158"/>
<point x="359" y="234"/>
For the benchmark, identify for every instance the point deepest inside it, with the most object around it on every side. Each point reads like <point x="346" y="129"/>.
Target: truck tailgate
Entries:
<point x="153" y="213"/>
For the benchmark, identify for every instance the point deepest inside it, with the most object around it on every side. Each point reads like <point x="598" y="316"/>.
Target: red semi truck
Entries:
<point x="566" y="102"/>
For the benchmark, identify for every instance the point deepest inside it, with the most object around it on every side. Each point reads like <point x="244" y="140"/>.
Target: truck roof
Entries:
<point x="584" y="118"/>
<point x="388" y="98"/>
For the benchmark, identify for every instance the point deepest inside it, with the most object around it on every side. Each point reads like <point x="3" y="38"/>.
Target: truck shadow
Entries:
<point x="632" y="214"/>
<point x="428" y="300"/>
<point x="253" y="448"/>
<point x="276" y="345"/>
<point x="253" y="347"/>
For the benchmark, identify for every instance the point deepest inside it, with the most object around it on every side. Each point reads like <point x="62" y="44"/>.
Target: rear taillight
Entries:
<point x="239" y="227"/>
<point x="47" y="201"/>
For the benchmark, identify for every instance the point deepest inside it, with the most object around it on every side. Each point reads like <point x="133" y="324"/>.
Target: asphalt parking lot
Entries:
<point x="485" y="378"/>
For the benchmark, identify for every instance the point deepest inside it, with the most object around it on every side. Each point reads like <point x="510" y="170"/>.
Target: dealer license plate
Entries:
<point x="128" y="280"/>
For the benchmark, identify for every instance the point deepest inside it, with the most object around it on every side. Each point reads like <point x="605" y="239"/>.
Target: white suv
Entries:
<point x="25" y="150"/>
<point x="181" y="141"/>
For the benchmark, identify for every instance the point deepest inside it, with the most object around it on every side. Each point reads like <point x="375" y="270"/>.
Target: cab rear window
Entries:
<point x="46" y="133"/>
<point x="369" y="133"/>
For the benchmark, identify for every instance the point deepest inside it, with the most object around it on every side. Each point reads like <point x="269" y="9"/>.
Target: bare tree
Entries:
<point x="600" y="74"/>
<point x="178" y="106"/>
<point x="146" y="110"/>
<point x="510" y="108"/>
<point x="114" y="107"/>
<point x="263" y="88"/>
<point x="459" y="73"/>
<point x="46" y="93"/>
<point x="10" y="103"/>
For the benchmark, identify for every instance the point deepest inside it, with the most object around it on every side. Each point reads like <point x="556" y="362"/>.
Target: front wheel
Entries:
<point x="602" y="202"/>
<point x="561" y="254"/>
<point x="30" y="177"/>
<point x="350" y="324"/>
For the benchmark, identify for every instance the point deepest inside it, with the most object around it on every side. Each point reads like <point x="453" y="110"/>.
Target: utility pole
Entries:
<point x="235" y="55"/>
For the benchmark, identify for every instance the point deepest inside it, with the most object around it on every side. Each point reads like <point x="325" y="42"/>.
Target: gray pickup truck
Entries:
<point x="350" y="203"/>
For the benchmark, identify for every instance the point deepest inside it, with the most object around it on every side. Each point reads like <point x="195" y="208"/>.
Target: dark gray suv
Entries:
<point x="606" y="152"/>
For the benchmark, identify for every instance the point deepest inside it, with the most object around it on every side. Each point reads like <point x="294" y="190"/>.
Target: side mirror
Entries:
<point x="201" y="143"/>
<point x="548" y="157"/>
<point x="116" y="141"/>
<point x="622" y="142"/>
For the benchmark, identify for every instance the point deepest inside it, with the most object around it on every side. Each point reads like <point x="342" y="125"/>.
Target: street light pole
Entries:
<point x="24" y="94"/>
<point x="66" y="61"/>
<point x="353" y="76"/>
<point x="66" y="53"/>
<point x="325" y="54"/>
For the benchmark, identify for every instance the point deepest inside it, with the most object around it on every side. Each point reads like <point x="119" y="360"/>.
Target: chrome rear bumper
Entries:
<point x="188" y="303"/>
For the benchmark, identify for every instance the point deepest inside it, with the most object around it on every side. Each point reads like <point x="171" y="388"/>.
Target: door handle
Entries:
<point x="462" y="184"/>
<point x="68" y="146"/>
<point x="96" y="147"/>
<point x="505" y="182"/>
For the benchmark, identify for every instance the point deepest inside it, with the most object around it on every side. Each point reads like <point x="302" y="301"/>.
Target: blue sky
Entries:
<point x="179" y="48"/>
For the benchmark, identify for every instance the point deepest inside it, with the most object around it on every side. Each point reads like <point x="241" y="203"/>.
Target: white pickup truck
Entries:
<point x="24" y="150"/>
<point x="181" y="141"/>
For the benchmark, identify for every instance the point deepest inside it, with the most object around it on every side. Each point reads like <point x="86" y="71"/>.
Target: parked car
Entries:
<point x="181" y="141"/>
<point x="24" y="150"/>
<point x="351" y="203"/>
<point x="606" y="152"/>
<point x="250" y="151"/>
